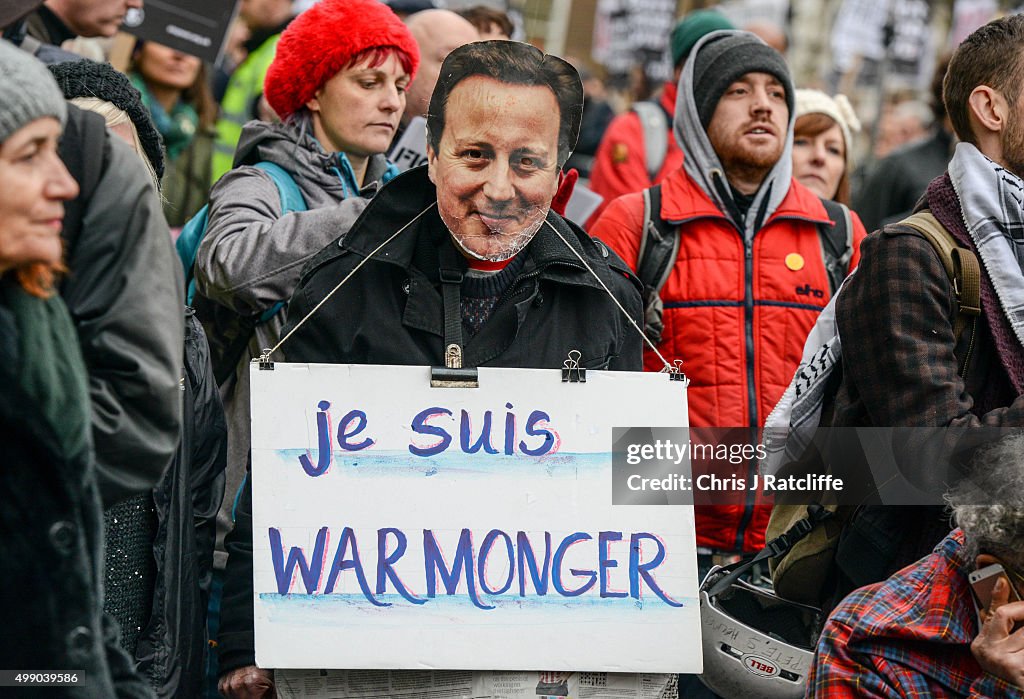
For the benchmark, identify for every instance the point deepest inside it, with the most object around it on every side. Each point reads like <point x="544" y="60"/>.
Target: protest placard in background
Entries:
<point x="411" y="149"/>
<point x="196" y="27"/>
<point x="388" y="513"/>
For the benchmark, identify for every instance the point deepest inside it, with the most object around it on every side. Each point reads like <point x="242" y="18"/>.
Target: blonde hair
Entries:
<point x="115" y="116"/>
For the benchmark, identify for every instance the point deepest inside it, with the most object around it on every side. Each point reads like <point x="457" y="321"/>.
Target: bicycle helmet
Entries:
<point x="755" y="643"/>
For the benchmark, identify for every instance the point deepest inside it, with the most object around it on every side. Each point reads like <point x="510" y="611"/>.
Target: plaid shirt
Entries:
<point x="909" y="636"/>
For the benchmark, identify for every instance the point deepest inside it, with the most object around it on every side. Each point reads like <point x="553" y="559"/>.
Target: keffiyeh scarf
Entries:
<point x="992" y="200"/>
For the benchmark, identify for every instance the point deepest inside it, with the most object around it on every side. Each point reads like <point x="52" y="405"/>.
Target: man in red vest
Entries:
<point x="750" y="276"/>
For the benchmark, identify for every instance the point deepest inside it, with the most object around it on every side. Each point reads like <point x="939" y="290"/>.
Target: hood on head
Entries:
<point x="702" y="163"/>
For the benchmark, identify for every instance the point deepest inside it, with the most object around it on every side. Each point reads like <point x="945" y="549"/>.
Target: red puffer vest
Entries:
<point x="736" y="314"/>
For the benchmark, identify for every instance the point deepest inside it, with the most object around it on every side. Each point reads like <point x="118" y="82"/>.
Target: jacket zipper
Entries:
<point x="748" y="328"/>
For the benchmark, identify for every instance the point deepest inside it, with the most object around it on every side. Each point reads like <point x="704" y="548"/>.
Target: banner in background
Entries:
<point x="196" y="27"/>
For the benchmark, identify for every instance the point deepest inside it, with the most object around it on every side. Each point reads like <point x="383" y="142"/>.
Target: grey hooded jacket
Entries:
<point x="702" y="163"/>
<point x="251" y="255"/>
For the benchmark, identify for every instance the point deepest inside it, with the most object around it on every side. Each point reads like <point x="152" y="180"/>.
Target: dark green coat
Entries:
<point x="50" y="521"/>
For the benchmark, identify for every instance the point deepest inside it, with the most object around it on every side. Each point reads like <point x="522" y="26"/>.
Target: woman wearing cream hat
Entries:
<point x="822" y="143"/>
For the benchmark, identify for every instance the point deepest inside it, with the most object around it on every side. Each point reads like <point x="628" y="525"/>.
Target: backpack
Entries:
<point x="805" y="568"/>
<point x="654" y="123"/>
<point x="659" y="247"/>
<point x="225" y="354"/>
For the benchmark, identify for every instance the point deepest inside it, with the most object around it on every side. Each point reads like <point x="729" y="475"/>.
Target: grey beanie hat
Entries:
<point x="27" y="91"/>
<point x="728" y="56"/>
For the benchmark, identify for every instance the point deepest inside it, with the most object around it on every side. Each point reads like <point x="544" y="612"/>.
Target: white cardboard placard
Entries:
<point x="464" y="536"/>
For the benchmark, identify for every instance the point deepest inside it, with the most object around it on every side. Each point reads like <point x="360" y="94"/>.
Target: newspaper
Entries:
<point x="448" y="684"/>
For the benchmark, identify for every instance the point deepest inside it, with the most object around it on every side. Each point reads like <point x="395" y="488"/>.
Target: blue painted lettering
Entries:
<point x="344" y="433"/>
<point x="420" y="426"/>
<point x="324" y="456"/>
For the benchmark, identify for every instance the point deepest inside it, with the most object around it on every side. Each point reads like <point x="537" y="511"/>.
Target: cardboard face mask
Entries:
<point x="499" y="143"/>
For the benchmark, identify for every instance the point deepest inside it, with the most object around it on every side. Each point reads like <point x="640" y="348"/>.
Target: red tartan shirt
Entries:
<point x="908" y="636"/>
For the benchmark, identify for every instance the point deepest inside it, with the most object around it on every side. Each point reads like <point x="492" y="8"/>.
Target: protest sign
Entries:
<point x="195" y="27"/>
<point x="399" y="526"/>
<point x="411" y="149"/>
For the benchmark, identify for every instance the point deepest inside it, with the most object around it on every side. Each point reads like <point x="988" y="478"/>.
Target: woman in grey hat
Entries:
<point x="54" y="631"/>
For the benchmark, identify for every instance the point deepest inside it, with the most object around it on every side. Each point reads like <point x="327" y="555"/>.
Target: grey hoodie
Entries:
<point x="251" y="255"/>
<point x="702" y="163"/>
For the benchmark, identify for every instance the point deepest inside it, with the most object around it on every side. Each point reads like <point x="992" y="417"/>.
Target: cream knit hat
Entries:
<point x="838" y="108"/>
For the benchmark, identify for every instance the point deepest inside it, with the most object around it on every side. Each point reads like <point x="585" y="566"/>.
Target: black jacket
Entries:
<point x="171" y="648"/>
<point x="124" y="291"/>
<point x="897" y="181"/>
<point x="390" y="312"/>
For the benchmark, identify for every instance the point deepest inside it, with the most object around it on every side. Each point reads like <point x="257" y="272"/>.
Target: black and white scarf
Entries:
<point x="992" y="200"/>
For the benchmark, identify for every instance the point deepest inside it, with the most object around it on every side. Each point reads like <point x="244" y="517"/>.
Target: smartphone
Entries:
<point x="982" y="582"/>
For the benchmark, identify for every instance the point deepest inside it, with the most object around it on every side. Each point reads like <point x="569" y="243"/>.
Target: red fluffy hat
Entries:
<point x="323" y="40"/>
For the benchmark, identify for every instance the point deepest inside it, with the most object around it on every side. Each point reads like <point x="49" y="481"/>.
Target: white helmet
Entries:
<point x="755" y="644"/>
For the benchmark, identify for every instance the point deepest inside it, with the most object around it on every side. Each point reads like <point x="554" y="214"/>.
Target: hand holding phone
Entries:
<point x="983" y="582"/>
<point x="999" y="646"/>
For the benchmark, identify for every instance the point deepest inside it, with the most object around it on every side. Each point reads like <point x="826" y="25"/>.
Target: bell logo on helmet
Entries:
<point x="759" y="665"/>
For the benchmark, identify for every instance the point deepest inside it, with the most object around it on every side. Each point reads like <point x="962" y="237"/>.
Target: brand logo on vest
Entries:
<point x="807" y="290"/>
<point x="761" y="666"/>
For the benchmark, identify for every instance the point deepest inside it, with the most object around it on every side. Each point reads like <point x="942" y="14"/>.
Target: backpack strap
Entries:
<point x="659" y="244"/>
<point x="836" y="242"/>
<point x="964" y="273"/>
<point x="287" y="189"/>
<point x="780" y="545"/>
<point x="659" y="248"/>
<point x="655" y="130"/>
<point x="291" y="201"/>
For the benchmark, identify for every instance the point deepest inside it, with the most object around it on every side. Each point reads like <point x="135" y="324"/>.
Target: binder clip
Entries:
<point x="572" y="372"/>
<point x="675" y="372"/>
<point x="446" y="377"/>
<point x="264" y="360"/>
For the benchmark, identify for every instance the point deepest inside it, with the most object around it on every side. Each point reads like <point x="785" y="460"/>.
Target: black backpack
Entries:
<point x="659" y="247"/>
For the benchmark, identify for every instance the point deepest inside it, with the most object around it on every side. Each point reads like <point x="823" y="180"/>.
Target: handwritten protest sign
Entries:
<point x="402" y="526"/>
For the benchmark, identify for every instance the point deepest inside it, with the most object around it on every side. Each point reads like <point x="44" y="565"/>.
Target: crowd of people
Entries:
<point x="161" y="226"/>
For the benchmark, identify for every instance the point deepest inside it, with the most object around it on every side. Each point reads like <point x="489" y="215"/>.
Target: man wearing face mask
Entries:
<point x="477" y="270"/>
<point x="503" y="119"/>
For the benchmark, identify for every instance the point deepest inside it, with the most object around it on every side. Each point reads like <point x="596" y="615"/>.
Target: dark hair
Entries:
<point x="198" y="95"/>
<point x="990" y="56"/>
<point x="814" y="123"/>
<point x="515" y="63"/>
<point x="938" y="106"/>
<point x="482" y="17"/>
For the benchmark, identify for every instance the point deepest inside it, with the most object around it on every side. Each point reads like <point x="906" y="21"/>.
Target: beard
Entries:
<point x="1012" y="142"/>
<point x="495" y="245"/>
<point x="750" y="164"/>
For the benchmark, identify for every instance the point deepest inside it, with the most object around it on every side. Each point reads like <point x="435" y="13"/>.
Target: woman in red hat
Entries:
<point x="338" y="84"/>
